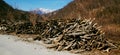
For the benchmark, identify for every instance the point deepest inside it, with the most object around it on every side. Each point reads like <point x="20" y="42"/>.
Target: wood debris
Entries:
<point x="76" y="35"/>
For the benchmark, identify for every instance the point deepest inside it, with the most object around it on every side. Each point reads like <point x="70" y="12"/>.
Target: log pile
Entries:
<point x="74" y="35"/>
<point x="21" y="28"/>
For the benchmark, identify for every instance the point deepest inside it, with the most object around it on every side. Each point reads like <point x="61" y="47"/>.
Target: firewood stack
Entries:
<point x="74" y="35"/>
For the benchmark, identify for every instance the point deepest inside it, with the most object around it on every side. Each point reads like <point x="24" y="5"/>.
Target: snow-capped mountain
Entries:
<point x="42" y="11"/>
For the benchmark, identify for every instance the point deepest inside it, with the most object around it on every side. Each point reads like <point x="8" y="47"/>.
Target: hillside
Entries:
<point x="106" y="12"/>
<point x="9" y="15"/>
<point x="4" y="9"/>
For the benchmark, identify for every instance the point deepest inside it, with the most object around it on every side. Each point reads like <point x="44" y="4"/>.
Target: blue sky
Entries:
<point x="34" y="4"/>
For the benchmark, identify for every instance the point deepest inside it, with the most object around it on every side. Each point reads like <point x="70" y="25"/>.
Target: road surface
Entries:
<point x="11" y="45"/>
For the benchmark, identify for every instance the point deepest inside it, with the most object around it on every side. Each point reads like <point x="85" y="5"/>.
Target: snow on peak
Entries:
<point x="43" y="10"/>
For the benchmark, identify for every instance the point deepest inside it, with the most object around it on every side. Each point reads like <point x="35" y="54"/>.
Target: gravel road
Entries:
<point x="11" y="45"/>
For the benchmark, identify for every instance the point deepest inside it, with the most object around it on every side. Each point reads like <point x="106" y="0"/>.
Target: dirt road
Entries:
<point x="11" y="45"/>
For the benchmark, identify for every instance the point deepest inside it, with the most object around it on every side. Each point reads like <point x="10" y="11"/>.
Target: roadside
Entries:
<point x="10" y="45"/>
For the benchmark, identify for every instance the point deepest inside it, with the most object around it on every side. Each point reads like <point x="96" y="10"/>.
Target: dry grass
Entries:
<point x="32" y="18"/>
<point x="112" y="31"/>
<point x="106" y="12"/>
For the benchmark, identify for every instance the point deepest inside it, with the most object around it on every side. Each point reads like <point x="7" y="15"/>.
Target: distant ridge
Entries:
<point x="10" y="15"/>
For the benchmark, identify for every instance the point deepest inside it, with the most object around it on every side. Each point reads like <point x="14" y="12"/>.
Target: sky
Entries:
<point x="34" y="4"/>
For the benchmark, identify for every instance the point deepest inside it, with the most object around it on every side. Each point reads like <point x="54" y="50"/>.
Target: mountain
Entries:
<point x="42" y="11"/>
<point x="4" y="9"/>
<point x="106" y="12"/>
<point x="9" y="15"/>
